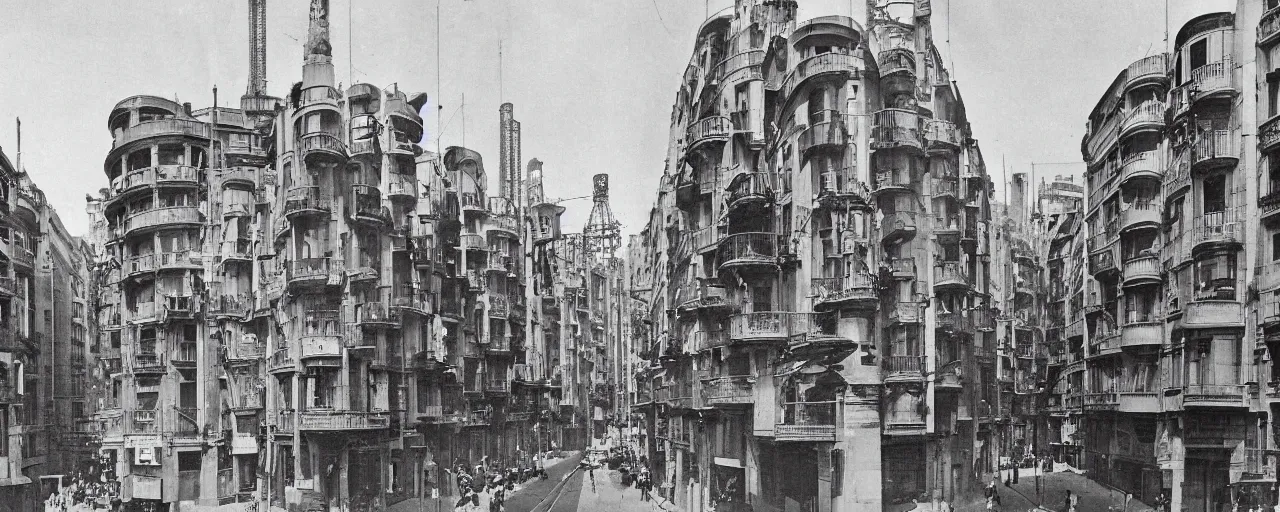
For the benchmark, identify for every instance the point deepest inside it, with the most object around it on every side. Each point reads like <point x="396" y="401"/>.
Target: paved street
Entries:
<point x="525" y="497"/>
<point x="608" y="493"/>
<point x="1053" y="491"/>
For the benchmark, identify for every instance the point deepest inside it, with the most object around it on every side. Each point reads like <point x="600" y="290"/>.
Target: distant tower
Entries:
<point x="510" y="179"/>
<point x="603" y="234"/>
<point x="256" y="102"/>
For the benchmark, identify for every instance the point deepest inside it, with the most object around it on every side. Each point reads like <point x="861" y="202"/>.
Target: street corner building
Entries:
<point x="812" y="293"/>
<point x="301" y="308"/>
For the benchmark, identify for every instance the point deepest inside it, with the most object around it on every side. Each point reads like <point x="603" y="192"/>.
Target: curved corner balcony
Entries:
<point x="1211" y="314"/>
<point x="1149" y="115"/>
<point x="831" y="134"/>
<point x="1153" y="69"/>
<point x="897" y="227"/>
<point x="1212" y="149"/>
<point x="323" y="147"/>
<point x="957" y="323"/>
<point x="835" y="65"/>
<point x="897" y="61"/>
<point x="838" y="292"/>
<point x="366" y="206"/>
<point x="950" y="275"/>
<point x="309" y="272"/>
<point x="1142" y="330"/>
<point x="895" y="128"/>
<point x="157" y="176"/>
<point x="161" y="128"/>
<point x="305" y="202"/>
<point x="807" y="422"/>
<point x="342" y="421"/>
<point x="708" y="131"/>
<point x="321" y="95"/>
<point x="1142" y="213"/>
<point x="282" y="360"/>
<point x="244" y="177"/>
<point x="739" y="67"/>
<point x="1142" y="270"/>
<point x="1217" y="229"/>
<point x="503" y="224"/>
<point x="942" y="135"/>
<point x="151" y="220"/>
<point x="1212" y="80"/>
<point x="749" y="250"/>
<point x="1139" y="166"/>
<point x="750" y="189"/>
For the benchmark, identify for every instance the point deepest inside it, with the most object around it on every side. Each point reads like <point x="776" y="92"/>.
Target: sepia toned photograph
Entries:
<point x="639" y="256"/>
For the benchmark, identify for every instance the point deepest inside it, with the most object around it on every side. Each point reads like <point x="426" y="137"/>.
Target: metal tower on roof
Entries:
<point x="603" y="234"/>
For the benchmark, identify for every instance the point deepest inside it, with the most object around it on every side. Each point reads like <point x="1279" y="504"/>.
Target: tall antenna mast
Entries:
<point x="439" y="109"/>
<point x="257" y="48"/>
<point x="351" y="56"/>
<point x="500" y="98"/>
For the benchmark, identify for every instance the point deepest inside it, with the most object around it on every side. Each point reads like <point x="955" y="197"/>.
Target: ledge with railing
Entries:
<point x="749" y="248"/>
<point x="817" y="65"/>
<point x="305" y="199"/>
<point x="321" y="143"/>
<point x="807" y="421"/>
<point x="896" y="127"/>
<point x="856" y="286"/>
<point x="771" y="325"/>
<point x="328" y="419"/>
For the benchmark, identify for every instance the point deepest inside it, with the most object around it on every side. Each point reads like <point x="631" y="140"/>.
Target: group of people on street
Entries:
<point x="87" y="491"/>
<point x="634" y="470"/>
<point x="486" y="485"/>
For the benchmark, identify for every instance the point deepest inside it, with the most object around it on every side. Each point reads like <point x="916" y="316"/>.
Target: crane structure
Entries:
<point x="603" y="234"/>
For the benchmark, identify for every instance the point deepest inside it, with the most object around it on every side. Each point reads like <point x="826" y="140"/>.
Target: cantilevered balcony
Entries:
<point x="1221" y="228"/>
<point x="322" y="146"/>
<point x="472" y="242"/>
<point x="1147" y="165"/>
<point x="707" y="340"/>
<point x="897" y="62"/>
<point x="829" y="132"/>
<point x="282" y="360"/>
<point x="1142" y="328"/>
<point x="1142" y="270"/>
<point x="325" y="420"/>
<point x="955" y="322"/>
<point x="694" y="296"/>
<point x="305" y="201"/>
<point x="1152" y="69"/>
<point x="895" y="180"/>
<point x="139" y="265"/>
<point x="1148" y="115"/>
<point x="1269" y="26"/>
<point x="835" y="65"/>
<point x="472" y="202"/>
<point x="402" y="187"/>
<point x="498" y="307"/>
<point x="735" y="390"/>
<point x="752" y="189"/>
<point x="160" y="218"/>
<point x="1105" y="401"/>
<point x="942" y="135"/>
<point x="901" y="268"/>
<point x="897" y="227"/>
<point x="906" y="313"/>
<point x="503" y="219"/>
<point x="836" y="292"/>
<point x="842" y="188"/>
<point x="807" y="422"/>
<point x="950" y="275"/>
<point x="770" y="326"/>
<point x="896" y="128"/>
<point x="904" y="368"/>
<point x="321" y="342"/>
<point x="309" y="272"/>
<point x="1141" y="402"/>
<point x="708" y="131"/>
<point x="1210" y="313"/>
<point x="1269" y="134"/>
<point x="377" y="315"/>
<point x="1212" y="149"/>
<point x="749" y="250"/>
<point x="160" y="128"/>
<point x="1215" y="396"/>
<point x="366" y="206"/>
<point x="148" y="363"/>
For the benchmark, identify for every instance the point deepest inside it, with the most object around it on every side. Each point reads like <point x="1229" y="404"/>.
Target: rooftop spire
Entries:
<point x="257" y="48"/>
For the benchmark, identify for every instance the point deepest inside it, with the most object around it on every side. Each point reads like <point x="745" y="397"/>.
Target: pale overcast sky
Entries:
<point x="592" y="80"/>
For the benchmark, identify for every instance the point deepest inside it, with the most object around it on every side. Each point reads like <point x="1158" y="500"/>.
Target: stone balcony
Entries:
<point x="334" y="420"/>
<point x="807" y="421"/>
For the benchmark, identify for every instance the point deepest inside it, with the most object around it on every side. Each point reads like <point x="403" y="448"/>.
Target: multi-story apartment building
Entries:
<point x="1166" y="346"/>
<point x="45" y="323"/>
<point x="815" y="274"/>
<point x="303" y="308"/>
